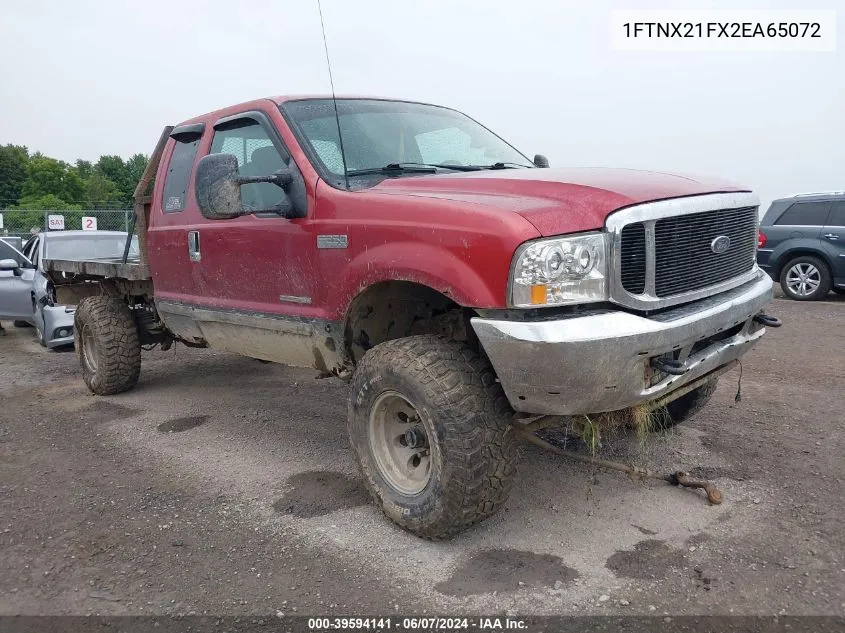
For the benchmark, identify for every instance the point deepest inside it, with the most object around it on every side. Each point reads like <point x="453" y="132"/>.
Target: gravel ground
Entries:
<point x="222" y="485"/>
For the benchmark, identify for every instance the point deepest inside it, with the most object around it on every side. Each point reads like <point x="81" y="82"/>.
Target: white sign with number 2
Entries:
<point x="89" y="223"/>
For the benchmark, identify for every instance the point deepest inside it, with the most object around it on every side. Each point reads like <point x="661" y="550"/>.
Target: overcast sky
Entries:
<point x="85" y="78"/>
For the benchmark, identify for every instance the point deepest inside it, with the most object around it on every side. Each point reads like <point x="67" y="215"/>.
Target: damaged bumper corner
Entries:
<point x="610" y="360"/>
<point x="58" y="325"/>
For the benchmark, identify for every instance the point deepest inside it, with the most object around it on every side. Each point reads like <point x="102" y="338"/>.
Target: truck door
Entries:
<point x="833" y="239"/>
<point x="257" y="270"/>
<point x="173" y="215"/>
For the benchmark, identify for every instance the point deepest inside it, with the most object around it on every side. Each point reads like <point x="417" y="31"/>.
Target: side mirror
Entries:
<point x="540" y="160"/>
<point x="218" y="187"/>
<point x="9" y="264"/>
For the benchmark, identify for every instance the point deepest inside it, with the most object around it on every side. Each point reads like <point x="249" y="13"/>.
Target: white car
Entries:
<point x="26" y="292"/>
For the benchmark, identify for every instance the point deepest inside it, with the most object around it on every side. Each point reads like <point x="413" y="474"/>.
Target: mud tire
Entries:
<point x="107" y="345"/>
<point x="467" y="420"/>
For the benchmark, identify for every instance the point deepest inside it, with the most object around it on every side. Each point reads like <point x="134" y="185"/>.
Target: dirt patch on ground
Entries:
<point x="178" y="425"/>
<point x="317" y="493"/>
<point x="507" y="570"/>
<point x="649" y="559"/>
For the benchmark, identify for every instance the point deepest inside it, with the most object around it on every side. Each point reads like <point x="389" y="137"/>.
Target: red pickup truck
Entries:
<point x="458" y="285"/>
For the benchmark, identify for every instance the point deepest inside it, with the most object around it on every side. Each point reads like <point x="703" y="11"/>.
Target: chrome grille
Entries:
<point x="663" y="251"/>
<point x="633" y="258"/>
<point x="684" y="259"/>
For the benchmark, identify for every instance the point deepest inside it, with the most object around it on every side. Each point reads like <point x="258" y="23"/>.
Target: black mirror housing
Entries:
<point x="218" y="188"/>
<point x="540" y="161"/>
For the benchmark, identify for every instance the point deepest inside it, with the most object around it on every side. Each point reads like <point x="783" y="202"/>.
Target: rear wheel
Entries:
<point x="430" y="428"/>
<point x="805" y="278"/>
<point x="107" y="345"/>
<point x="21" y="324"/>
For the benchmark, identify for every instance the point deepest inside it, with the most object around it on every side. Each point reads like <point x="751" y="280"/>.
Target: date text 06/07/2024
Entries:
<point x="417" y="624"/>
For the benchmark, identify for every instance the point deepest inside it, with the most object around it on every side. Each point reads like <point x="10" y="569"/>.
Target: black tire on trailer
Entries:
<point x="21" y="324"/>
<point x="685" y="407"/>
<point x="431" y="429"/>
<point x="107" y="345"/>
<point x="805" y="278"/>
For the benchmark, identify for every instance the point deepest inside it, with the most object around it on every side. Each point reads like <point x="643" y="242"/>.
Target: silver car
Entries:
<point x="27" y="294"/>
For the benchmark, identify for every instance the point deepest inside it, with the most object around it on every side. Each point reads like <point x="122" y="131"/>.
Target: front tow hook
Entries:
<point x="767" y="319"/>
<point x="669" y="366"/>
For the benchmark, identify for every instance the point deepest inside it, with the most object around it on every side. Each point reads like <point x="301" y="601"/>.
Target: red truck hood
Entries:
<point x="555" y="200"/>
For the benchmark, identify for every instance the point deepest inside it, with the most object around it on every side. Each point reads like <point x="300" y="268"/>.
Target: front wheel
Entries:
<point x="107" y="345"/>
<point x="805" y="278"/>
<point x="430" y="428"/>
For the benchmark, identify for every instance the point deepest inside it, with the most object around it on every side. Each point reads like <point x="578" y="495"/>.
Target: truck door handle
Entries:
<point x="194" y="246"/>
<point x="831" y="236"/>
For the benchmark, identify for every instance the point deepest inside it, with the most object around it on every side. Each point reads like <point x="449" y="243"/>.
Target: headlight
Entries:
<point x="559" y="271"/>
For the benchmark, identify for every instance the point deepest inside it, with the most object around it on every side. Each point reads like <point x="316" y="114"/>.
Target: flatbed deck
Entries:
<point x="105" y="268"/>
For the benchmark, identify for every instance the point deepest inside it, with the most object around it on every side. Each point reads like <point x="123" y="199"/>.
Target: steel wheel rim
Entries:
<point x="803" y="279"/>
<point x="89" y="351"/>
<point x="399" y="444"/>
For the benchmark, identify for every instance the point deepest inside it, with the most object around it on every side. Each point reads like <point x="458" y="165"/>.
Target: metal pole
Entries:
<point x="129" y="235"/>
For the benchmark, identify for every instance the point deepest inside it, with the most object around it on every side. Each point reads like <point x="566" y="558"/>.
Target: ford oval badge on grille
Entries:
<point x="720" y="244"/>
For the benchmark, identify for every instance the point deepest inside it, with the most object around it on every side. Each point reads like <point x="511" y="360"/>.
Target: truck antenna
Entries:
<point x="334" y="98"/>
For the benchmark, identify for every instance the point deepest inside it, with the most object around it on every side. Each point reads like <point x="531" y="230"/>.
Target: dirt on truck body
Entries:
<point x="462" y="288"/>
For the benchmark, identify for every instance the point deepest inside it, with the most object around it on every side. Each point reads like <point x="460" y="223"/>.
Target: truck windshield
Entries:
<point x="389" y="133"/>
<point x="89" y="246"/>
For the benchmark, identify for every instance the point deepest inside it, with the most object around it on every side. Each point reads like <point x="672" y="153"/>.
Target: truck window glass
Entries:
<point x="837" y="214"/>
<point x="377" y="133"/>
<point x="178" y="174"/>
<point x="805" y="214"/>
<point x="441" y="146"/>
<point x="257" y="156"/>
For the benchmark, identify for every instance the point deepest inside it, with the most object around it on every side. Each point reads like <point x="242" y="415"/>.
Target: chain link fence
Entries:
<point x="25" y="222"/>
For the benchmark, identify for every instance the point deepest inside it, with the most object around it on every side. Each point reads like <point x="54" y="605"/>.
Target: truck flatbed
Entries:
<point x="107" y="268"/>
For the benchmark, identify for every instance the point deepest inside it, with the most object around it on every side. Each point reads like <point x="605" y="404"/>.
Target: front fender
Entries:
<point x="430" y="265"/>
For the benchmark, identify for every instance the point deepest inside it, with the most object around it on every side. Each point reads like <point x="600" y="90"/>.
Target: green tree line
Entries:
<point x="35" y="181"/>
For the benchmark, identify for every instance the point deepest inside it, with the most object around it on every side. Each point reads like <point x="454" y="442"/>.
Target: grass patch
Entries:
<point x="641" y="418"/>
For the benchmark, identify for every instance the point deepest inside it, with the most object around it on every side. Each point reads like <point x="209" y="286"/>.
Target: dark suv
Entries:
<point x="802" y="244"/>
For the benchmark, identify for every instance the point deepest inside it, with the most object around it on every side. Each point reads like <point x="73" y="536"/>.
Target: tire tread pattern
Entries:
<point x="474" y="417"/>
<point x="118" y="348"/>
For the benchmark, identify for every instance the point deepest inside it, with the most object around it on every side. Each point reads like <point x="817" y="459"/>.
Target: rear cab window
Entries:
<point x="178" y="176"/>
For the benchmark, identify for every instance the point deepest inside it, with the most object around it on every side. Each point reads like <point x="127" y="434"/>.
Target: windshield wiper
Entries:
<point x="395" y="168"/>
<point x="505" y="166"/>
<point x="412" y="168"/>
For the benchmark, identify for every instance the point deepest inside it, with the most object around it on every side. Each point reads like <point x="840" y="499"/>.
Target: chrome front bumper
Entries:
<point x="603" y="361"/>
